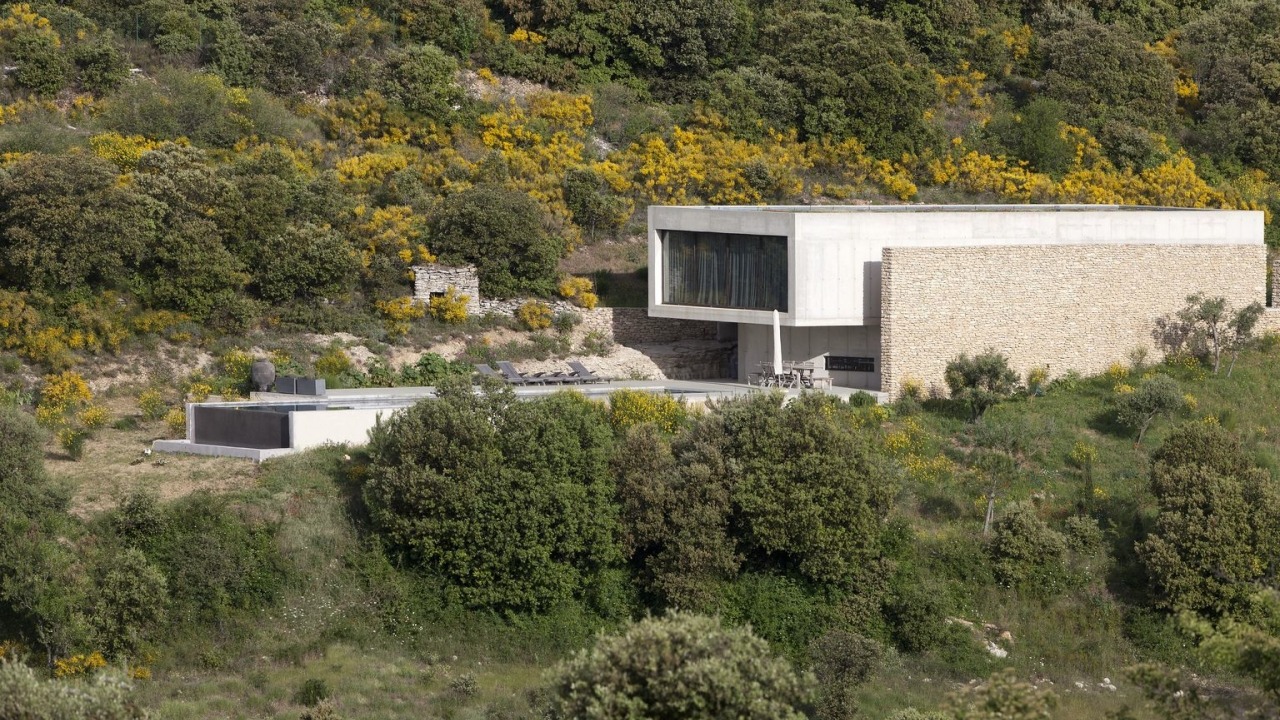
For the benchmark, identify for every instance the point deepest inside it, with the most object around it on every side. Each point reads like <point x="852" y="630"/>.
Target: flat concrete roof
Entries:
<point x="946" y="208"/>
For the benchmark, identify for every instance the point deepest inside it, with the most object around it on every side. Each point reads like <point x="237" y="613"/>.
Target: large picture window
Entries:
<point x="724" y="270"/>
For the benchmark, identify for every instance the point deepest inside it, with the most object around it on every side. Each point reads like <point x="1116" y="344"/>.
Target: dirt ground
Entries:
<point x="114" y="465"/>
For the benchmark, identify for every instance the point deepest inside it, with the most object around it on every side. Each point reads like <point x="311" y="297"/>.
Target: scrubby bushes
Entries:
<point x="510" y="502"/>
<point x="1218" y="527"/>
<point x="679" y="666"/>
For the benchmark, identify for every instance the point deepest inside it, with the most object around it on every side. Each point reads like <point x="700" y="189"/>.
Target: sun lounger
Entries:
<point x="581" y="372"/>
<point x="515" y="377"/>
<point x="488" y="372"/>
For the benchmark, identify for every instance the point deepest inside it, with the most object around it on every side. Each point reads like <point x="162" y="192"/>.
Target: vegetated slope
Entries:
<point x="479" y="541"/>
<point x="184" y="169"/>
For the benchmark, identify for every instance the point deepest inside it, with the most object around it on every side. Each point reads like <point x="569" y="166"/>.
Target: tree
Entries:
<point x="1154" y="396"/>
<point x="421" y="79"/>
<point x="500" y="231"/>
<point x="679" y="667"/>
<point x="129" y="601"/>
<point x="68" y="224"/>
<point x="510" y="503"/>
<point x="859" y="78"/>
<point x="842" y="661"/>
<point x="981" y="381"/>
<point x="1092" y="68"/>
<point x="305" y="263"/>
<point x="1218" y="527"/>
<point x="808" y="491"/>
<point x="675" y="498"/>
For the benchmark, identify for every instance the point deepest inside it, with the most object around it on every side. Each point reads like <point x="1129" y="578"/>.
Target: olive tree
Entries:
<point x="679" y="667"/>
<point x="1155" y="396"/>
<point x="980" y="381"/>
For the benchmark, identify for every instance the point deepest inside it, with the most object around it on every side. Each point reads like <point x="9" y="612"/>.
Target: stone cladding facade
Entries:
<point x="1067" y="307"/>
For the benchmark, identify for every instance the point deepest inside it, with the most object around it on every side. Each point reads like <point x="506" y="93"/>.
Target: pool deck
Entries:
<point x="696" y="392"/>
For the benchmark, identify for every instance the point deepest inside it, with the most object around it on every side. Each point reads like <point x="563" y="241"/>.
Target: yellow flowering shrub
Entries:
<point x="235" y="364"/>
<point x="155" y="322"/>
<point x="451" y="307"/>
<point x="399" y="314"/>
<point x="579" y="290"/>
<point x="635" y="407"/>
<point x="123" y="151"/>
<point x="198" y="392"/>
<point x="63" y="392"/>
<point x="1122" y="389"/>
<point x="1117" y="371"/>
<point x="152" y="405"/>
<point x="94" y="417"/>
<point x="703" y="163"/>
<point x="534" y="315"/>
<point x="1037" y="378"/>
<point x="394" y="231"/>
<point x="175" y="421"/>
<point x="1190" y="402"/>
<point x="332" y="362"/>
<point x="906" y="437"/>
<point x="928" y="470"/>
<point x="78" y="665"/>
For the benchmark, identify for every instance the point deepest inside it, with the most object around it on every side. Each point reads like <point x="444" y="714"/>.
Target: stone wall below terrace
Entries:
<point x="1067" y="307"/>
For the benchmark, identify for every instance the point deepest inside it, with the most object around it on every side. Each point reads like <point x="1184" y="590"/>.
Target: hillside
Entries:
<point x="255" y="591"/>
<point x="288" y="162"/>
<point x="186" y="186"/>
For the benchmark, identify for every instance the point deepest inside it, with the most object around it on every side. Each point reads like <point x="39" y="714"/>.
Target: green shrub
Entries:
<point x="432" y="369"/>
<point x="915" y="616"/>
<point x="312" y="692"/>
<point x="464" y="685"/>
<point x="678" y="666"/>
<point x="511" y="503"/>
<point x="842" y="661"/>
<point x="215" y="562"/>
<point x="1026" y="554"/>
<point x="781" y="610"/>
<point x="24" y="487"/>
<point x="26" y="696"/>
<point x="500" y="231"/>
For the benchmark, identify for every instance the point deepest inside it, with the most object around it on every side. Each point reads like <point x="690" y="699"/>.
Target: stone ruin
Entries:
<point x="434" y="280"/>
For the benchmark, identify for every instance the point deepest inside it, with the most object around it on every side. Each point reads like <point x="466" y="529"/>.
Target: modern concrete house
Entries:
<point x="882" y="294"/>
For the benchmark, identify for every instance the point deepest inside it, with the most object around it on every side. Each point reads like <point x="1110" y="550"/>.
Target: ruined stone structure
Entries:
<point x="434" y="280"/>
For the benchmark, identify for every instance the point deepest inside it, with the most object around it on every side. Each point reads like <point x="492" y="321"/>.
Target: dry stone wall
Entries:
<point x="432" y="279"/>
<point x="1068" y="307"/>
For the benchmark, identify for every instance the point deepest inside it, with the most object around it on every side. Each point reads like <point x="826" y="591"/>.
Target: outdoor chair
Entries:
<point x="584" y="375"/>
<point x="488" y="372"/>
<point x="515" y="377"/>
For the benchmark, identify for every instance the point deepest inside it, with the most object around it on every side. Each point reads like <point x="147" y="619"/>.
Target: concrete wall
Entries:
<point x="755" y="345"/>
<point x="1078" y="307"/>
<point x="313" y="429"/>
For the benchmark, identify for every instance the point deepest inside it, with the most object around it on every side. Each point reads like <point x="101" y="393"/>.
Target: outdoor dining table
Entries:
<point x="794" y="374"/>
